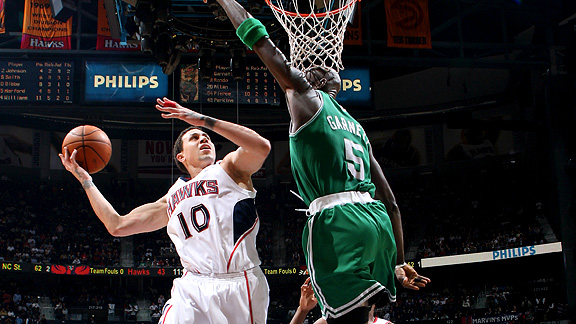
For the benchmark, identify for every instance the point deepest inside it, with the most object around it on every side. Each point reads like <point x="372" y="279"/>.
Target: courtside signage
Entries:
<point x="505" y="254"/>
<point x="355" y="87"/>
<point x="124" y="82"/>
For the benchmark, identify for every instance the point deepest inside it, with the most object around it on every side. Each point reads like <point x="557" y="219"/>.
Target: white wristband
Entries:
<point x="398" y="266"/>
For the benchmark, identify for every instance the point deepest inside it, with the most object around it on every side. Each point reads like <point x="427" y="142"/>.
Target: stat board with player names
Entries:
<point x="258" y="86"/>
<point x="46" y="81"/>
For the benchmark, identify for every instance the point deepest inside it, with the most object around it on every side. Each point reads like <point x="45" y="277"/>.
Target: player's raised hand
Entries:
<point x="172" y="109"/>
<point x="69" y="162"/>
<point x="409" y="278"/>
<point x="307" y="298"/>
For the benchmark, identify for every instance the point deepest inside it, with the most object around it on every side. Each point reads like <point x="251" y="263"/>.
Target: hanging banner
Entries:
<point x="41" y="31"/>
<point x="408" y="23"/>
<point x="353" y="34"/>
<point x="104" y="41"/>
<point x="2" y="26"/>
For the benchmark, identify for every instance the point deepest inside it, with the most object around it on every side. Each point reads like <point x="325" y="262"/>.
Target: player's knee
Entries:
<point x="356" y="316"/>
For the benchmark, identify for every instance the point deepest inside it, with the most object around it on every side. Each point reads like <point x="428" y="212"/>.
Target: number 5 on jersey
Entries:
<point x="352" y="159"/>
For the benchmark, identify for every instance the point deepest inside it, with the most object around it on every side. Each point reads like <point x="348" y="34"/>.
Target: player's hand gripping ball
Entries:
<point x="93" y="145"/>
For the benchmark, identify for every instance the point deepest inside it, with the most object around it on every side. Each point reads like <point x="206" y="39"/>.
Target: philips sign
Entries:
<point x="513" y="253"/>
<point x="124" y="82"/>
<point x="355" y="87"/>
<point x="518" y="252"/>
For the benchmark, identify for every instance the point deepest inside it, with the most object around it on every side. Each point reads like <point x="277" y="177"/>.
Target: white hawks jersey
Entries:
<point x="381" y="321"/>
<point x="213" y="223"/>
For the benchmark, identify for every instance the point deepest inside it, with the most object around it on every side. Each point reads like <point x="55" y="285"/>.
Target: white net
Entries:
<point x="315" y="29"/>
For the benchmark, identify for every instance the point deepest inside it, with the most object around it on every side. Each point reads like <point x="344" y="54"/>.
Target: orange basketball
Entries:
<point x="93" y="145"/>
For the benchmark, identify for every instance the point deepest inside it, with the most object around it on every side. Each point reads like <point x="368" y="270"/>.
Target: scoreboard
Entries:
<point x="42" y="81"/>
<point x="258" y="87"/>
<point x="48" y="80"/>
<point x="113" y="271"/>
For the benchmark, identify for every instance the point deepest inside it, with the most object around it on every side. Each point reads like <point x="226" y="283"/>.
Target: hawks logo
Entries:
<point x="410" y="12"/>
<point x="70" y="270"/>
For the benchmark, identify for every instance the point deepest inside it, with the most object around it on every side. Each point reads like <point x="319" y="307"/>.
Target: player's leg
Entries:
<point x="385" y="256"/>
<point x="246" y="298"/>
<point x="341" y="244"/>
<point x="189" y="302"/>
<point x="260" y="295"/>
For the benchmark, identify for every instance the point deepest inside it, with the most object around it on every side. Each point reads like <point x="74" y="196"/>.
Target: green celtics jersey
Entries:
<point x="330" y="153"/>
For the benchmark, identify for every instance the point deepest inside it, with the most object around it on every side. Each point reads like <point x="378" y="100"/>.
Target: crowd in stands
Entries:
<point x="50" y="223"/>
<point x="463" y="305"/>
<point x="478" y="210"/>
<point x="532" y="301"/>
<point x="484" y="210"/>
<point x="488" y="209"/>
<point x="18" y="307"/>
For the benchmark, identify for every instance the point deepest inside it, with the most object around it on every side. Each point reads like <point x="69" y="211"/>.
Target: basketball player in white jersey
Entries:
<point x="210" y="217"/>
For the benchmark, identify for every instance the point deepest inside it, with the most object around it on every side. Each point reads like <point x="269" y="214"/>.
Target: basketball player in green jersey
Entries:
<point x="353" y="240"/>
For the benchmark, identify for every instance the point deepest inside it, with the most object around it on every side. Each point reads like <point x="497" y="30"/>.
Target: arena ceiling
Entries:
<point x="503" y="34"/>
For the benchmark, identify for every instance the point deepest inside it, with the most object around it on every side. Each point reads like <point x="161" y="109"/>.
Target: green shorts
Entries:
<point x="351" y="253"/>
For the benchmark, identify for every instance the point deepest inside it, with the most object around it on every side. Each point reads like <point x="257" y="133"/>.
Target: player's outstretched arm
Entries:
<point x="303" y="99"/>
<point x="254" y="35"/>
<point x="384" y="193"/>
<point x="407" y="276"/>
<point x="307" y="303"/>
<point x="146" y="218"/>
<point x="253" y="148"/>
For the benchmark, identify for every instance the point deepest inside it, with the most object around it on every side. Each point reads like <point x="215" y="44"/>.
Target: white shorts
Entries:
<point x="233" y="298"/>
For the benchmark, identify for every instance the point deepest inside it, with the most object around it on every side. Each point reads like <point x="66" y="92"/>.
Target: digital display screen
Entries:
<point x="36" y="81"/>
<point x="257" y="87"/>
<point x="124" y="82"/>
<point x="113" y="271"/>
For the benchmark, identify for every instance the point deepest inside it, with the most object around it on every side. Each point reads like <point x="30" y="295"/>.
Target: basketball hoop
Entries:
<point x="315" y="30"/>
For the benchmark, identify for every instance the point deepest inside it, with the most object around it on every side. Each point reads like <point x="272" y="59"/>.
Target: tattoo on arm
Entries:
<point x="87" y="184"/>
<point x="209" y="122"/>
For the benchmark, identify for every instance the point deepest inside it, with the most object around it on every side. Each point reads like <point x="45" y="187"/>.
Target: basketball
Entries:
<point x="93" y="145"/>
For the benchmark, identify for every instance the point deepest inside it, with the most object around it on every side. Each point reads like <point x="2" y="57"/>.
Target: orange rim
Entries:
<point x="322" y="14"/>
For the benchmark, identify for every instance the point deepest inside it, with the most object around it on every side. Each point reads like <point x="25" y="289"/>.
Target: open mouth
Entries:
<point x="205" y="147"/>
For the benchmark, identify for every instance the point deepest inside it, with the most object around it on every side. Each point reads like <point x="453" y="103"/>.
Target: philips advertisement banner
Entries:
<point x="124" y="82"/>
<point x="517" y="252"/>
<point x="355" y="88"/>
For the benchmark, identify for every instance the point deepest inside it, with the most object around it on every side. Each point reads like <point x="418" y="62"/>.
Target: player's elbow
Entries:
<point x="260" y="148"/>
<point x="265" y="147"/>
<point x="392" y="209"/>
<point x="117" y="231"/>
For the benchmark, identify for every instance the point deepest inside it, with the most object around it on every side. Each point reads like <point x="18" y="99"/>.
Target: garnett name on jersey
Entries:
<point x="192" y="189"/>
<point x="337" y="123"/>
